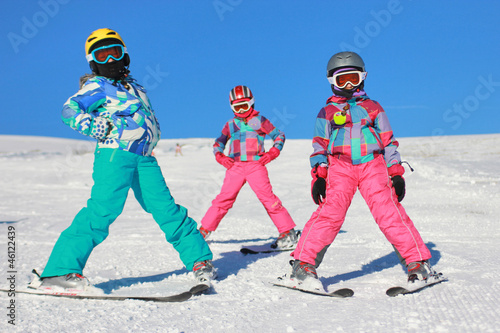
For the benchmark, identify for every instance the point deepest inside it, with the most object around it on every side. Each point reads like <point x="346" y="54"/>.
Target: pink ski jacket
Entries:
<point x="356" y="130"/>
<point x="246" y="137"/>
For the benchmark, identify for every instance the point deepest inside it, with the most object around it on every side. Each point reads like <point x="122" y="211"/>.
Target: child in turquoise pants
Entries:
<point x="112" y="108"/>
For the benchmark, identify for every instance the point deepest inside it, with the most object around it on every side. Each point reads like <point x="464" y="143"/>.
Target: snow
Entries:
<point x="452" y="197"/>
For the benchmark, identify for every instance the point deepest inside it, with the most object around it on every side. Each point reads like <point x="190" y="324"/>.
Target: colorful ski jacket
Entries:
<point x="246" y="137"/>
<point x="117" y="117"/>
<point x="355" y="129"/>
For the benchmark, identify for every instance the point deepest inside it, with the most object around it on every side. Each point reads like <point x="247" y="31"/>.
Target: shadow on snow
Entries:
<point x="378" y="265"/>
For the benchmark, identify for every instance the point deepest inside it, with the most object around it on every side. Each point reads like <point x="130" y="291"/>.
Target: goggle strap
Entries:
<point x="248" y="102"/>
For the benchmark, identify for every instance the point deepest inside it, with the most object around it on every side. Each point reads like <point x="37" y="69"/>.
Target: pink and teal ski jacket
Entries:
<point x="365" y="134"/>
<point x="117" y="117"/>
<point x="246" y="137"/>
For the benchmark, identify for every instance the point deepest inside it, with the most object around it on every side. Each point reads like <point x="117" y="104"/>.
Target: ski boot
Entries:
<point x="286" y="240"/>
<point x="204" y="232"/>
<point x="420" y="272"/>
<point x="72" y="283"/>
<point x="204" y="272"/>
<point x="305" y="277"/>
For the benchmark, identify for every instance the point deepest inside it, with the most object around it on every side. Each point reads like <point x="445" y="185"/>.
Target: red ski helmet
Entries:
<point x="241" y="101"/>
<point x="240" y="94"/>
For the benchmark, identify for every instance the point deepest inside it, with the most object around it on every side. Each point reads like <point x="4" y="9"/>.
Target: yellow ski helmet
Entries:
<point x="100" y="35"/>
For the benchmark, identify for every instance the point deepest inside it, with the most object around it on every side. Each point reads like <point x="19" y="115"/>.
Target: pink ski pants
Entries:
<point x="376" y="188"/>
<point x="257" y="177"/>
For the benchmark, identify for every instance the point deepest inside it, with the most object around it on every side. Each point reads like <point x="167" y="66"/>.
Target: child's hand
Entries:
<point x="318" y="184"/>
<point x="318" y="190"/>
<point x="101" y="127"/>
<point x="225" y="161"/>
<point x="398" y="183"/>
<point x="269" y="156"/>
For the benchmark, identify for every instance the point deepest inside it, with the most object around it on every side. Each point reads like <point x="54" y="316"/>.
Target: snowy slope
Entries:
<point x="453" y="198"/>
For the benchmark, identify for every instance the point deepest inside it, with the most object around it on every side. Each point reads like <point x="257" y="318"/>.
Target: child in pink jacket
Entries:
<point x="354" y="148"/>
<point x="245" y="162"/>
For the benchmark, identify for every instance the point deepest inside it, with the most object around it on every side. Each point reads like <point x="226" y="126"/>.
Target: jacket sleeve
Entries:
<point x="274" y="133"/>
<point x="389" y="143"/>
<point x="79" y="111"/>
<point x="321" y="139"/>
<point x="220" y="142"/>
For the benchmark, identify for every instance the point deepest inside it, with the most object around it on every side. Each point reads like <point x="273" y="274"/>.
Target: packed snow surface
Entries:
<point x="453" y="197"/>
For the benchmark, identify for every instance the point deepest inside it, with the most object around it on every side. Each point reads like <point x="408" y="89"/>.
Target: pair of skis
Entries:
<point x="346" y="292"/>
<point x="343" y="292"/>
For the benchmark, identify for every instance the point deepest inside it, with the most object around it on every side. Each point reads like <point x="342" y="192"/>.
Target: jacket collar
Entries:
<point x="341" y="100"/>
<point x="247" y="115"/>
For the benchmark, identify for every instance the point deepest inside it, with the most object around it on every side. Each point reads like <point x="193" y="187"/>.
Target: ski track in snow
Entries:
<point x="452" y="197"/>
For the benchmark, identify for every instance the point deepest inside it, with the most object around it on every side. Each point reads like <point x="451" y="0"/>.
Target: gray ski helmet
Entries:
<point x="344" y="59"/>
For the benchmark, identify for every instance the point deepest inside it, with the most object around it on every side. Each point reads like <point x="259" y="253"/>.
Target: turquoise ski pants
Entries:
<point x="115" y="172"/>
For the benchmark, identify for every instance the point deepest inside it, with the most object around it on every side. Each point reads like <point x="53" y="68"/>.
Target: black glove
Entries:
<point x="398" y="183"/>
<point x="318" y="190"/>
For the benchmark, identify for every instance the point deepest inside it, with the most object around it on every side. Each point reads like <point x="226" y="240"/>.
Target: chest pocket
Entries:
<point x="254" y="124"/>
<point x="341" y="115"/>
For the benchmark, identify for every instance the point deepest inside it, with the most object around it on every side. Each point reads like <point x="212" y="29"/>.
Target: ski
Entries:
<point x="262" y="249"/>
<point x="181" y="297"/>
<point x="396" y="291"/>
<point x="339" y="293"/>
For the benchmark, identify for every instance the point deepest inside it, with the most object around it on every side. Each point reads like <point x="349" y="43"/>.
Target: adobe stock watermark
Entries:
<point x="74" y="158"/>
<point x="11" y="274"/>
<point x="470" y="104"/>
<point x="31" y="27"/>
<point x="381" y="19"/>
<point x="281" y="119"/>
<point x="456" y="115"/>
<point x="223" y="6"/>
<point x="206" y="193"/>
<point x="154" y="77"/>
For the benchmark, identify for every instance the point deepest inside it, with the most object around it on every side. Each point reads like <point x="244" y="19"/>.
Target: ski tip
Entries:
<point x="344" y="292"/>
<point x="246" y="250"/>
<point x="182" y="297"/>
<point x="200" y="289"/>
<point x="395" y="291"/>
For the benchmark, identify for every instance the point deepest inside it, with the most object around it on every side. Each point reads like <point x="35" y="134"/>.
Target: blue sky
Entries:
<point x="432" y="65"/>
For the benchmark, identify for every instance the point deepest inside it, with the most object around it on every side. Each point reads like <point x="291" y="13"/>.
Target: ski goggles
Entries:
<point x="341" y="80"/>
<point x="101" y="55"/>
<point x="242" y="106"/>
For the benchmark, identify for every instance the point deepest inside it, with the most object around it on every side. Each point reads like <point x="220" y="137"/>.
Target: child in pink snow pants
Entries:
<point x="246" y="162"/>
<point x="354" y="148"/>
<point x="373" y="180"/>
